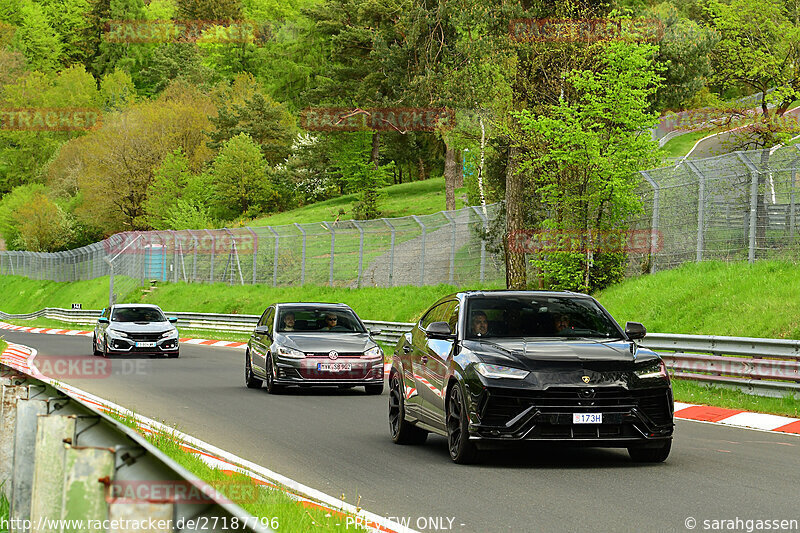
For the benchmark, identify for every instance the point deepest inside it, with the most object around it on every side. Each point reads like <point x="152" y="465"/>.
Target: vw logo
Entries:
<point x="586" y="379"/>
<point x="333" y="354"/>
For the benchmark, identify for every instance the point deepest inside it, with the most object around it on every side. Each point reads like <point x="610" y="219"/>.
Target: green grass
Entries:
<point x="713" y="298"/>
<point x="680" y="146"/>
<point x="257" y="499"/>
<point x="697" y="393"/>
<point x="23" y="295"/>
<point x="415" y="198"/>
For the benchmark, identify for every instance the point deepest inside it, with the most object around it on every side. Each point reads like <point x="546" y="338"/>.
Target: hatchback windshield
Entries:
<point x="137" y="314"/>
<point x="318" y="320"/>
<point x="537" y="316"/>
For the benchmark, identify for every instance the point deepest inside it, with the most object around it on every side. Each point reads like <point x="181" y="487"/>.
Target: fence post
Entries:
<point x="391" y="252"/>
<point x="485" y="222"/>
<point x="751" y="252"/>
<point x="255" y="250"/>
<point x="452" y="248"/>
<point x="422" y="251"/>
<point x="303" y="259"/>
<point x="655" y="221"/>
<point x="360" y="252"/>
<point x="701" y="202"/>
<point x="333" y="245"/>
<point x="213" y="248"/>
<point x="275" y="258"/>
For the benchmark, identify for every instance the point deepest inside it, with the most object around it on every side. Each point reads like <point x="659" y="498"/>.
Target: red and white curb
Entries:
<point x="21" y="358"/>
<point x="737" y="418"/>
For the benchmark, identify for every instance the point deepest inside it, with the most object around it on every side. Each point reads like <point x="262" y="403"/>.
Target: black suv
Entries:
<point x="488" y="367"/>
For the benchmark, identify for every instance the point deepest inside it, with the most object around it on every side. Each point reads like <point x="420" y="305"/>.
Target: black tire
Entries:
<point x="272" y="387"/>
<point x="174" y="355"/>
<point x="462" y="450"/>
<point x="105" y="347"/>
<point x="95" y="351"/>
<point x="658" y="454"/>
<point x="402" y="432"/>
<point x="250" y="380"/>
<point x="374" y="389"/>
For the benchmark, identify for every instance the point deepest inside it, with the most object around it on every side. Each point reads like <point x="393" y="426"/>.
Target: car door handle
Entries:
<point x="407" y="349"/>
<point x="423" y="359"/>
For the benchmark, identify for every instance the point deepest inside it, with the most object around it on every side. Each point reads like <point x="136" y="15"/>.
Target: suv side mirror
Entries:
<point x="439" y="330"/>
<point x="172" y="319"/>
<point x="102" y="320"/>
<point x="635" y="330"/>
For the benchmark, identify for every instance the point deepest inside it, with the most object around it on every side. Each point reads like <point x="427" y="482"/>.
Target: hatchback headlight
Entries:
<point x="290" y="353"/>
<point x="499" y="371"/>
<point x="171" y="333"/>
<point x="117" y="333"/>
<point x="374" y="353"/>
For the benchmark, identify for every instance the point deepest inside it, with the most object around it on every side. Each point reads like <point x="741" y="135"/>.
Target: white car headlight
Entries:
<point x="499" y="371"/>
<point x="283" y="351"/>
<point x="114" y="332"/>
<point x="374" y="353"/>
<point x="168" y="334"/>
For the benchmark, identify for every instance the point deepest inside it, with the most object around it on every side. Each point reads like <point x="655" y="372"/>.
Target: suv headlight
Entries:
<point x="171" y="333"/>
<point x="290" y="353"/>
<point x="374" y="353"/>
<point x="114" y="332"/>
<point x="655" y="370"/>
<point x="499" y="371"/>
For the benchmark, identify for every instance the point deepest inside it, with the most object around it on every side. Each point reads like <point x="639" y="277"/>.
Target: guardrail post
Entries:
<point x="48" y="466"/>
<point x="360" y="252"/>
<point x="422" y="251"/>
<point x="333" y="246"/>
<point x="28" y="413"/>
<point x="303" y="258"/>
<point x="9" y="394"/>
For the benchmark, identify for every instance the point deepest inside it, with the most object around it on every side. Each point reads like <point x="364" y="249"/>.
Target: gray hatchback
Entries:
<point x="135" y="329"/>
<point x="313" y="344"/>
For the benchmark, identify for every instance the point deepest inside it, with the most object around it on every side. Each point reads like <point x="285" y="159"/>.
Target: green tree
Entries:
<point x="10" y="204"/>
<point x="37" y="40"/>
<point x="71" y="18"/>
<point x="360" y="174"/>
<point x="117" y="91"/>
<point x="583" y="154"/>
<point x="169" y="180"/>
<point x="42" y="225"/>
<point x="241" y="178"/>
<point x="210" y="9"/>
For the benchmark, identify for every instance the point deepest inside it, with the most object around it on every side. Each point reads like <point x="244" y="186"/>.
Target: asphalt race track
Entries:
<point x="338" y="442"/>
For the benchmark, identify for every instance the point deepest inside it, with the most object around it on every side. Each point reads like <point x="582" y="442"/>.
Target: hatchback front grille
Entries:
<point x="145" y="337"/>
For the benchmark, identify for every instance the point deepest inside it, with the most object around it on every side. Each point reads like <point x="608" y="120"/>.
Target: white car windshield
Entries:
<point x="137" y="314"/>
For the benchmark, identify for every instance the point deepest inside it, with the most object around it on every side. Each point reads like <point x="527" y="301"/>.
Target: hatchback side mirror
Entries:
<point x="102" y="320"/>
<point x="172" y="319"/>
<point x="439" y="330"/>
<point x="261" y="330"/>
<point x="635" y="330"/>
<point x="376" y="331"/>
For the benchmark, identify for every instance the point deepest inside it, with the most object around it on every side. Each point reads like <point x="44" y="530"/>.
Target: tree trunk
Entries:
<point x="450" y="178"/>
<point x="376" y="148"/>
<point x="421" y="166"/>
<point x="459" y="169"/>
<point x="515" y="189"/>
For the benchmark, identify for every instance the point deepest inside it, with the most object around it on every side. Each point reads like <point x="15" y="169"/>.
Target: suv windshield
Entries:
<point x="137" y="314"/>
<point x="537" y="316"/>
<point x="318" y="320"/>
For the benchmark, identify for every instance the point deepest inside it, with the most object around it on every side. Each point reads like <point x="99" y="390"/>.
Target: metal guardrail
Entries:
<point x="768" y="367"/>
<point x="62" y="459"/>
<point x="390" y="331"/>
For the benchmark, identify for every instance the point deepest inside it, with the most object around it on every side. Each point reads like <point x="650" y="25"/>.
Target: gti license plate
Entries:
<point x="587" y="418"/>
<point x="334" y="367"/>
<point x="145" y="345"/>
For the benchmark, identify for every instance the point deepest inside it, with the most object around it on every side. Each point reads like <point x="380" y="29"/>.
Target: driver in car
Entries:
<point x="562" y="324"/>
<point x="480" y="324"/>
<point x="331" y="322"/>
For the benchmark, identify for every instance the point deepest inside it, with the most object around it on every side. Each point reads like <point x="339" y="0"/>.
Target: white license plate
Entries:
<point x="145" y="345"/>
<point x="334" y="367"/>
<point x="587" y="418"/>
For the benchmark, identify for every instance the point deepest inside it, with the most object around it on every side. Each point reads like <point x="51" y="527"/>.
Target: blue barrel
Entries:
<point x="155" y="262"/>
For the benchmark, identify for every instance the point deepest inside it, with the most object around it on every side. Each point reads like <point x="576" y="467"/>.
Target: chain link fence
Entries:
<point x="446" y="247"/>
<point x="733" y="207"/>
